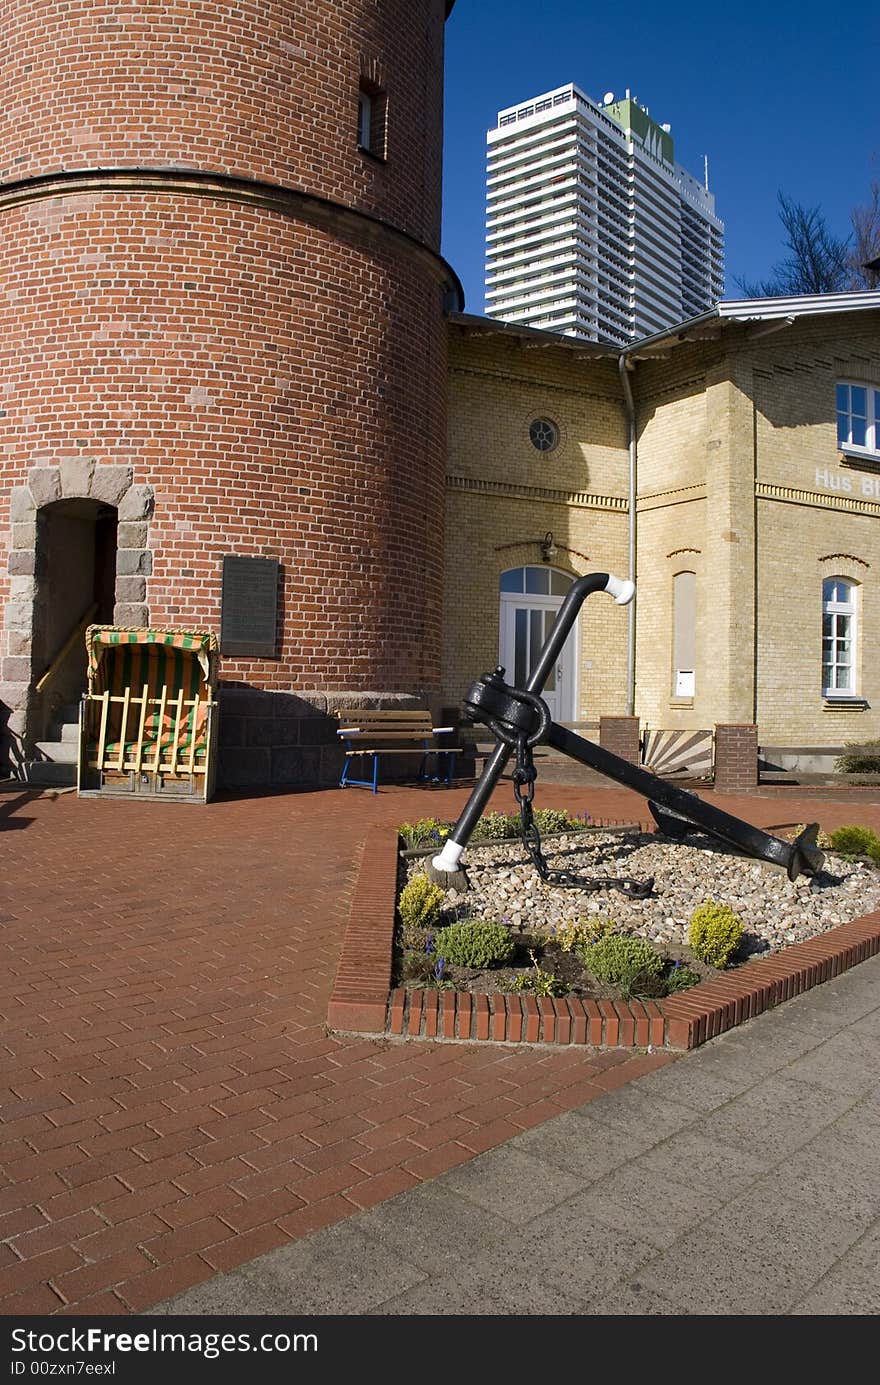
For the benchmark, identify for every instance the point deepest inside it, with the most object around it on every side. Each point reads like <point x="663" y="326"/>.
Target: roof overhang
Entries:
<point x="471" y="324"/>
<point x="773" y="312"/>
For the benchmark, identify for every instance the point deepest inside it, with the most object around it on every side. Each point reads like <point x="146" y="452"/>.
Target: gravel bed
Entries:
<point x="776" y="912"/>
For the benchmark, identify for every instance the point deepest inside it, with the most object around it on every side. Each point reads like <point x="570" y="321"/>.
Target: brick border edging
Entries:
<point x="362" y="1001"/>
<point x="359" y="1000"/>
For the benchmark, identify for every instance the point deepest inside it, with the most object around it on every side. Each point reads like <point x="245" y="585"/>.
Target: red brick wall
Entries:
<point x="281" y="391"/>
<point x="264" y="90"/>
<point x="620" y="735"/>
<point x="280" y="385"/>
<point x="736" y="757"/>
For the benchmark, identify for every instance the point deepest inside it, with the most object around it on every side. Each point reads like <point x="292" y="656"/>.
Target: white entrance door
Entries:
<point x="530" y="599"/>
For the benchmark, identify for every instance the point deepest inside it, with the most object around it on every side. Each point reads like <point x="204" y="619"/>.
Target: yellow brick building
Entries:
<point x="749" y="439"/>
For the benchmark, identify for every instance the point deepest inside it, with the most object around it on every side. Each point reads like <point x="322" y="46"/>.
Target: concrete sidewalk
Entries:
<point x="741" y="1179"/>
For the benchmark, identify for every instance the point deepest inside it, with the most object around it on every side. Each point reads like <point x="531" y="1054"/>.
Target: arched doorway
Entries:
<point x="75" y="572"/>
<point x="529" y="600"/>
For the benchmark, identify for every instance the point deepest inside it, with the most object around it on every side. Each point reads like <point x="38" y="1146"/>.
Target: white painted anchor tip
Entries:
<point x="449" y="857"/>
<point x="621" y="589"/>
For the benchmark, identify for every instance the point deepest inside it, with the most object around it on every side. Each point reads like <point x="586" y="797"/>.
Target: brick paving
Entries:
<point x="171" y="1103"/>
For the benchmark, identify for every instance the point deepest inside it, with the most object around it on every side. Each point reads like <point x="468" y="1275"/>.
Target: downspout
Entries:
<point x="625" y="366"/>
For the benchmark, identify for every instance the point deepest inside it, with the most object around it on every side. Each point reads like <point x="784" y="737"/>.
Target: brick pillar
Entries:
<point x="736" y="757"/>
<point x="620" y="735"/>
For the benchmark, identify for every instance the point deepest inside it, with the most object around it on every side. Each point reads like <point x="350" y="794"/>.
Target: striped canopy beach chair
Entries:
<point x="148" y="720"/>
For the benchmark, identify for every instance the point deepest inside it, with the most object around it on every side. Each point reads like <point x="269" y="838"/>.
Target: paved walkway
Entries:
<point x="171" y="1104"/>
<point x="742" y="1179"/>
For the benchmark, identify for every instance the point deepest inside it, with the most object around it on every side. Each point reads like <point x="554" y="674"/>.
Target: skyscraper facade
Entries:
<point x="592" y="228"/>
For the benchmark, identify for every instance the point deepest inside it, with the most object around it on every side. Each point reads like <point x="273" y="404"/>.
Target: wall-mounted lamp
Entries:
<point x="548" y="547"/>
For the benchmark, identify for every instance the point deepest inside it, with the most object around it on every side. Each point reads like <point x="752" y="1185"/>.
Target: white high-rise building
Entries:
<point x="592" y="228"/>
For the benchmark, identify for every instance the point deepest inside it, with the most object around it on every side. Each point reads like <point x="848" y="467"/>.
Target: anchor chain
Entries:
<point x="524" y="776"/>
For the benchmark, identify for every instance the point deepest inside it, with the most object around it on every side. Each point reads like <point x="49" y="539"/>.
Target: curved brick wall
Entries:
<point x="272" y="376"/>
<point x="235" y="370"/>
<point x="266" y="90"/>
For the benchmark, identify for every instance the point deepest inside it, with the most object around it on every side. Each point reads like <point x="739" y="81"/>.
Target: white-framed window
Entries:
<point x="838" y="637"/>
<point x="858" y="417"/>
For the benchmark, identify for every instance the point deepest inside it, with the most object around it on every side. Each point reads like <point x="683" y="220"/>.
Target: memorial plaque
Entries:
<point x="249" y="607"/>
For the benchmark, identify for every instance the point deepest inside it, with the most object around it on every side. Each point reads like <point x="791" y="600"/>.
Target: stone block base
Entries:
<point x="288" y="740"/>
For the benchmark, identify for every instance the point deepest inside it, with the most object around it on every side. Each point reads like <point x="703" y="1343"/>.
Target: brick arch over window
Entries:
<point x="74" y="479"/>
<point x="527" y="553"/>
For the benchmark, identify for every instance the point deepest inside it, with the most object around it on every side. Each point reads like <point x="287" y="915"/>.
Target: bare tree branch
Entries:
<point x="866" y="242"/>
<point x="818" y="261"/>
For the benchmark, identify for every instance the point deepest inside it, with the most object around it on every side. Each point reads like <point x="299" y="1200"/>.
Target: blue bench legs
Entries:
<point x="361" y="783"/>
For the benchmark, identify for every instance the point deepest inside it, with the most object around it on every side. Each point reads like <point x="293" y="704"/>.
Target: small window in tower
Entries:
<point x="372" y="119"/>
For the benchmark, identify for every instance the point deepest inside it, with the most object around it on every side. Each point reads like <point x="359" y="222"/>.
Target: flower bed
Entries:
<point x="561" y="938"/>
<point x="364" y="1000"/>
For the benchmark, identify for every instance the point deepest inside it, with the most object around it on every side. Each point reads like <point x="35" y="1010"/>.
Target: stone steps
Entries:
<point x="55" y="762"/>
<point x="51" y="773"/>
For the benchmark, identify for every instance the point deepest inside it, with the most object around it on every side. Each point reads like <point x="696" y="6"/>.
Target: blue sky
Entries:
<point x="779" y="95"/>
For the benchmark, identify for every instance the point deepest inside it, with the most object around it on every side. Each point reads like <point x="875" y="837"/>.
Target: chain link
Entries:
<point x="524" y="776"/>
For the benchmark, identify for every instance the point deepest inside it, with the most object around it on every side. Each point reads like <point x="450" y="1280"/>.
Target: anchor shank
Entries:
<point x="703" y="816"/>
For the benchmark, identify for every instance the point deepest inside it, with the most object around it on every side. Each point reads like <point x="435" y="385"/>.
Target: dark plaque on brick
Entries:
<point x="249" y="608"/>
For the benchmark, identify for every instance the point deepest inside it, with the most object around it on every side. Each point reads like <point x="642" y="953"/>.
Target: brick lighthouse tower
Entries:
<point x="222" y="336"/>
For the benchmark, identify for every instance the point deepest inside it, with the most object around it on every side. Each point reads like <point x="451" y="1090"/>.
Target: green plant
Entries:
<point x="438" y="979"/>
<point x="425" y="832"/>
<point x="420" y="903"/>
<point x="549" y="820"/>
<point x="495" y="827"/>
<point x="856" y="841"/>
<point x="417" y="965"/>
<point x="715" y="932"/>
<point x="679" y="977"/>
<point x="534" y="982"/>
<point x="575" y="935"/>
<point x="859" y="759"/>
<point x="474" y="943"/>
<point x="630" y="963"/>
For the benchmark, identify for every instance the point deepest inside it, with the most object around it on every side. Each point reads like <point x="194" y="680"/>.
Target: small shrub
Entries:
<point x="859" y="759"/>
<point x="419" y="904"/>
<point x="575" y="935"/>
<point x="630" y="963"/>
<point x="413" y="938"/>
<point x="715" y="933"/>
<point x="679" y="978"/>
<point x="550" y="820"/>
<point x="494" y="827"/>
<point x="425" y="832"/>
<point x="856" y="841"/>
<point x="474" y="943"/>
<point x="534" y="982"/>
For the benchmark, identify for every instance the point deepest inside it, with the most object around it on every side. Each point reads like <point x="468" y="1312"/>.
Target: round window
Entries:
<point x="544" y="434"/>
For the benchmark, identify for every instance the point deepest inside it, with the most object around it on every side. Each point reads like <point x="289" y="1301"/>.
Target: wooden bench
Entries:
<point x="379" y="733"/>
